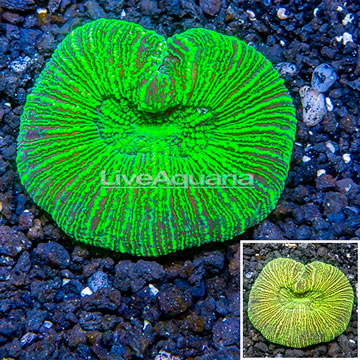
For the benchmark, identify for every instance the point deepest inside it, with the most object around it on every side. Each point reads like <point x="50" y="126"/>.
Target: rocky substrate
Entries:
<point x="342" y="255"/>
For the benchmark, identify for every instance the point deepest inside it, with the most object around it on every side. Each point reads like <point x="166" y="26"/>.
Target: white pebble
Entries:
<point x="65" y="281"/>
<point x="47" y="324"/>
<point x="123" y="13"/>
<point x="86" y="292"/>
<point x="282" y="43"/>
<point x="320" y="172"/>
<point x="251" y="14"/>
<point x="329" y="104"/>
<point x="315" y="12"/>
<point x="146" y="324"/>
<point x="330" y="146"/>
<point x="313" y="104"/>
<point x="347" y="38"/>
<point x="346" y="158"/>
<point x="348" y="255"/>
<point x="339" y="9"/>
<point x="282" y="14"/>
<point x="41" y="11"/>
<point x="306" y="159"/>
<point x="153" y="290"/>
<point x="338" y="38"/>
<point x="348" y="19"/>
<point x="249" y="274"/>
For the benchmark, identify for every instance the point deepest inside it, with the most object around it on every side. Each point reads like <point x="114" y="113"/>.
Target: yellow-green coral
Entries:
<point x="299" y="305"/>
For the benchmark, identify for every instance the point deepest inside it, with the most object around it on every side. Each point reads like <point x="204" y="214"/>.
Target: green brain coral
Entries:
<point x="297" y="306"/>
<point x="145" y="145"/>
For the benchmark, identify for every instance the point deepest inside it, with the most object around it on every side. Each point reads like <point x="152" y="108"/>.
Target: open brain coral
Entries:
<point x="121" y="123"/>
<point x="297" y="306"/>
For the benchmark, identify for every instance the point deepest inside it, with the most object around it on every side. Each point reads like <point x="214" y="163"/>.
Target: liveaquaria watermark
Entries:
<point x="185" y="181"/>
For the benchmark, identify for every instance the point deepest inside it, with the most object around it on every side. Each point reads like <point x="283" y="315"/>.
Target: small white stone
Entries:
<point x="339" y="9"/>
<point x="123" y="13"/>
<point x="320" y="172"/>
<point x="41" y="11"/>
<point x="65" y="281"/>
<point x="8" y="104"/>
<point x="329" y="104"/>
<point x="282" y="14"/>
<point x="47" y="324"/>
<point x="306" y="159"/>
<point x="86" y="292"/>
<point x="153" y="290"/>
<point x="249" y="274"/>
<point x="352" y="341"/>
<point x="146" y="324"/>
<point x="348" y="188"/>
<point x="348" y="255"/>
<point x="313" y="105"/>
<point x="308" y="147"/>
<point x="348" y="19"/>
<point x="346" y="158"/>
<point x="330" y="146"/>
<point x="282" y="43"/>
<point x="252" y="15"/>
<point x="338" y="38"/>
<point x="315" y="12"/>
<point x="347" y="38"/>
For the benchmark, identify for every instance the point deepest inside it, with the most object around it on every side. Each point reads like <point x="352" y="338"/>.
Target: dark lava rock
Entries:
<point x="91" y="321"/>
<point x="129" y="275"/>
<point x="12" y="242"/>
<point x="226" y="332"/>
<point x="334" y="349"/>
<point x="334" y="202"/>
<point x="174" y="301"/>
<point x="296" y="353"/>
<point x="104" y="299"/>
<point x="325" y="182"/>
<point x="261" y="346"/>
<point x="19" y="5"/>
<point x="210" y="7"/>
<point x="54" y="253"/>
<point x="267" y="230"/>
<point x="95" y="10"/>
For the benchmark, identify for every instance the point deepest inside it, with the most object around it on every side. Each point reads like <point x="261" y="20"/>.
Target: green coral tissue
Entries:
<point x="299" y="305"/>
<point x="147" y="145"/>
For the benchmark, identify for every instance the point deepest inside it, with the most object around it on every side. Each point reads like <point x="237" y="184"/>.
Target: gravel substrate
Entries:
<point x="342" y="255"/>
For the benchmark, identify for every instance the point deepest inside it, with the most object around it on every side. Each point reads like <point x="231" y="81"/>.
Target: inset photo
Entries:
<point x="299" y="299"/>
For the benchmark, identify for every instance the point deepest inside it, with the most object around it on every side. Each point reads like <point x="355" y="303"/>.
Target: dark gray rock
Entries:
<point x="210" y="7"/>
<point x="54" y="253"/>
<point x="18" y="5"/>
<point x="12" y="242"/>
<point x="174" y="301"/>
<point x="334" y="349"/>
<point x="226" y="332"/>
<point x="261" y="346"/>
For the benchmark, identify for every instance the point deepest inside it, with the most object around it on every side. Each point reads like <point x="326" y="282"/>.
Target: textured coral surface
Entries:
<point x="118" y="104"/>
